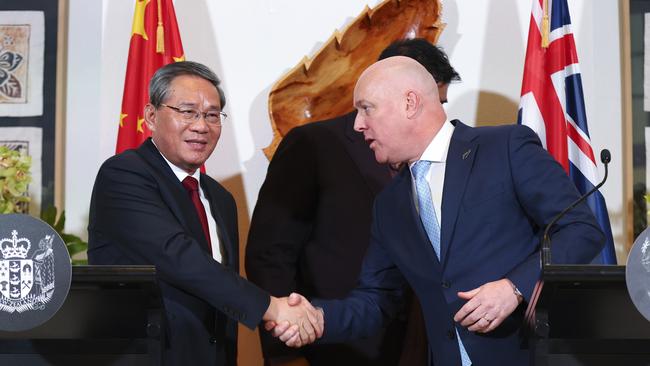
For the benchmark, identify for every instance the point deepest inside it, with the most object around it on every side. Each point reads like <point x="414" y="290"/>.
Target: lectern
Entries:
<point x="584" y="316"/>
<point x="113" y="315"/>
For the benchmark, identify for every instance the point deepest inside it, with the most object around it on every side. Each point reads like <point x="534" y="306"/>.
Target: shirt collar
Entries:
<point x="437" y="149"/>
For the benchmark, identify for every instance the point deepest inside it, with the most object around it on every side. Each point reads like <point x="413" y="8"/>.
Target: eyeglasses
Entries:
<point x="192" y="115"/>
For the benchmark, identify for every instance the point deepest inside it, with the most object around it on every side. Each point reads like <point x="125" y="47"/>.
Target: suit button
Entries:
<point x="213" y="340"/>
<point x="153" y="330"/>
<point x="445" y="284"/>
<point x="451" y="334"/>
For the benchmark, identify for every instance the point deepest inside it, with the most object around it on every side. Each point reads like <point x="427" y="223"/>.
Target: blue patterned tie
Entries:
<point x="431" y="225"/>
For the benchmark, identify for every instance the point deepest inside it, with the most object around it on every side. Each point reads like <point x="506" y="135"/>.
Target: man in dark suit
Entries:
<point x="461" y="225"/>
<point x="311" y="224"/>
<point x="151" y="205"/>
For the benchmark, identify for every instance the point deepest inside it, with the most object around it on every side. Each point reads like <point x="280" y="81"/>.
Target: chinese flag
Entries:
<point x="155" y="42"/>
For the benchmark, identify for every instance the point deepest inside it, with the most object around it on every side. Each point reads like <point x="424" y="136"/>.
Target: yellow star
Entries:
<point x="140" y="122"/>
<point x="138" y="19"/>
<point x="122" y="117"/>
<point x="179" y="59"/>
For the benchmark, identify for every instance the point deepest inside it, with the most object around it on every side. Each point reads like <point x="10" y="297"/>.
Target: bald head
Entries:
<point x="400" y="73"/>
<point x="399" y="110"/>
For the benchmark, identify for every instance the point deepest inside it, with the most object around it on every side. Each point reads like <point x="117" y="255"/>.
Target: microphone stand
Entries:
<point x="605" y="158"/>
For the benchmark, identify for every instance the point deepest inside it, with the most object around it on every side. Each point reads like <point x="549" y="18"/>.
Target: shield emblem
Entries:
<point x="26" y="276"/>
<point x="21" y="278"/>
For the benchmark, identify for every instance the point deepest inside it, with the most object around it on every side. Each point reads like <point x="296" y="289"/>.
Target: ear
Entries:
<point x="412" y="103"/>
<point x="150" y="116"/>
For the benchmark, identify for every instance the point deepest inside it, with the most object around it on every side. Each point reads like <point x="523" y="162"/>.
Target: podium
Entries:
<point x="584" y="316"/>
<point x="113" y="315"/>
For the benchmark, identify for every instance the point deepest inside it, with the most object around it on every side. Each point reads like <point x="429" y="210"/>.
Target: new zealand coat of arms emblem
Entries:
<point x="35" y="272"/>
<point x="26" y="283"/>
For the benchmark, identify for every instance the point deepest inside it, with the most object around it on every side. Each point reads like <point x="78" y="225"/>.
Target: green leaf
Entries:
<point x="49" y="215"/>
<point x="76" y="247"/>
<point x="69" y="238"/>
<point x="60" y="223"/>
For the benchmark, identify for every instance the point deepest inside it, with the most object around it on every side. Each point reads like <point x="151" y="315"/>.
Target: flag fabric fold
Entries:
<point x="552" y="104"/>
<point x="155" y="42"/>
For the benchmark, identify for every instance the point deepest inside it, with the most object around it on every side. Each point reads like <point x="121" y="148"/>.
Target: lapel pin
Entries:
<point x="466" y="154"/>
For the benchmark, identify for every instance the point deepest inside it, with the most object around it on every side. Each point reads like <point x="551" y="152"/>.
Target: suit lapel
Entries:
<point x="374" y="174"/>
<point x="460" y="158"/>
<point x="177" y="198"/>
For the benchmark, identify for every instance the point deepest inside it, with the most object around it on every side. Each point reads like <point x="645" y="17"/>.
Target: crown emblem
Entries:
<point x="14" y="247"/>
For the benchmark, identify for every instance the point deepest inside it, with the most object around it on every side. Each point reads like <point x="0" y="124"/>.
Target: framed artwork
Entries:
<point x="31" y="63"/>
<point x="21" y="63"/>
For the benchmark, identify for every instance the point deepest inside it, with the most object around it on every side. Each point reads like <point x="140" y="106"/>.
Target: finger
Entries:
<point x="468" y="308"/>
<point x="294" y="341"/>
<point x="269" y="325"/>
<point x="314" y="318"/>
<point x="480" y="325"/>
<point x="307" y="333"/>
<point x="469" y="294"/>
<point x="294" y="299"/>
<point x="280" y="328"/>
<point x="493" y="325"/>
<point x="289" y="333"/>
<point x="473" y="317"/>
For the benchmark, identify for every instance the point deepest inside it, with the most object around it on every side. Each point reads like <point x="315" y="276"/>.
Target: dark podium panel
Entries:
<point x="113" y="315"/>
<point x="584" y="316"/>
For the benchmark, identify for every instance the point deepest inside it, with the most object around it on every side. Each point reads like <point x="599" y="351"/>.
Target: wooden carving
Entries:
<point x="321" y="87"/>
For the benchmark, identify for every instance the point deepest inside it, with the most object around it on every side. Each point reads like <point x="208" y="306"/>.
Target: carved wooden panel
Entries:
<point x="322" y="87"/>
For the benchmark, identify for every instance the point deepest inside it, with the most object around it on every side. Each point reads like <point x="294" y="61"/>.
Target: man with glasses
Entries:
<point x="151" y="205"/>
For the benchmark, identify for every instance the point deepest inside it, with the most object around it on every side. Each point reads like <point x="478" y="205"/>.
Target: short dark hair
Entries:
<point x="433" y="58"/>
<point x="159" y="84"/>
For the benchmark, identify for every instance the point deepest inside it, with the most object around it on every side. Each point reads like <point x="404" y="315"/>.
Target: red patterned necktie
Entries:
<point x="192" y="187"/>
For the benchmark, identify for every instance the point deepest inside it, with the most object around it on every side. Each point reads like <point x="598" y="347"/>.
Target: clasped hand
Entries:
<point x="294" y="320"/>
<point x="487" y="306"/>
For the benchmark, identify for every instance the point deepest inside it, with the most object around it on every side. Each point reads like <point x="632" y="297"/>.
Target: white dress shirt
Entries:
<point x="436" y="152"/>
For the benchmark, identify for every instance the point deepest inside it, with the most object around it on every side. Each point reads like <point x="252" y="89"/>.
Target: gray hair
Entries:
<point x="159" y="84"/>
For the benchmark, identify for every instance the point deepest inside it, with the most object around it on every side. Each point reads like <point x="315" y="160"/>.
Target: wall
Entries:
<point x="250" y="44"/>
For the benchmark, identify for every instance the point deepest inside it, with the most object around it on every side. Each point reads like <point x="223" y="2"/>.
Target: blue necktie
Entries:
<point x="431" y="225"/>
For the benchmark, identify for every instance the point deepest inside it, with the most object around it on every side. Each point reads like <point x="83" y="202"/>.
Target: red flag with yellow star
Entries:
<point x="155" y="42"/>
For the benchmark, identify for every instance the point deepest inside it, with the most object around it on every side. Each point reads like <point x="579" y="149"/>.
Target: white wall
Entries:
<point x="250" y="44"/>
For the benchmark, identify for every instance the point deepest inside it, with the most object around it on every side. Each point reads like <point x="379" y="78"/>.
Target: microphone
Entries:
<point x="605" y="158"/>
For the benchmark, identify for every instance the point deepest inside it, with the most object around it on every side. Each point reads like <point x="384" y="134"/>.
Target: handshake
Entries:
<point x="294" y="320"/>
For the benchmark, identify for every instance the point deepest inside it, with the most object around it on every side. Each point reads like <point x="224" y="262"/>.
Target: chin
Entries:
<point x="381" y="159"/>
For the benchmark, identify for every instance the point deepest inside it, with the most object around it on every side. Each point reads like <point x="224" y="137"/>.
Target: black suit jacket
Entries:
<point x="141" y="214"/>
<point x="311" y="227"/>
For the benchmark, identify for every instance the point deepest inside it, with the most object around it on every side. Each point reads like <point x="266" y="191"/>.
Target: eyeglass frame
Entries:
<point x="197" y="115"/>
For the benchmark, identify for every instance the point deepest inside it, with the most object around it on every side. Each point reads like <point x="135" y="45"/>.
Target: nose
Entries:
<point x="200" y="125"/>
<point x="359" y="123"/>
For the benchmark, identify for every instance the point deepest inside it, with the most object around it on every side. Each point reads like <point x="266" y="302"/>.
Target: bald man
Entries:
<point x="461" y="226"/>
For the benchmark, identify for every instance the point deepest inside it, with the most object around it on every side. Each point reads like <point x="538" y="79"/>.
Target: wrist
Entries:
<point x="272" y="311"/>
<point x="516" y="292"/>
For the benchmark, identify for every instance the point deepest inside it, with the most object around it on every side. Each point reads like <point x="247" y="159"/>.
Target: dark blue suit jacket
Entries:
<point x="141" y="214"/>
<point x="501" y="188"/>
